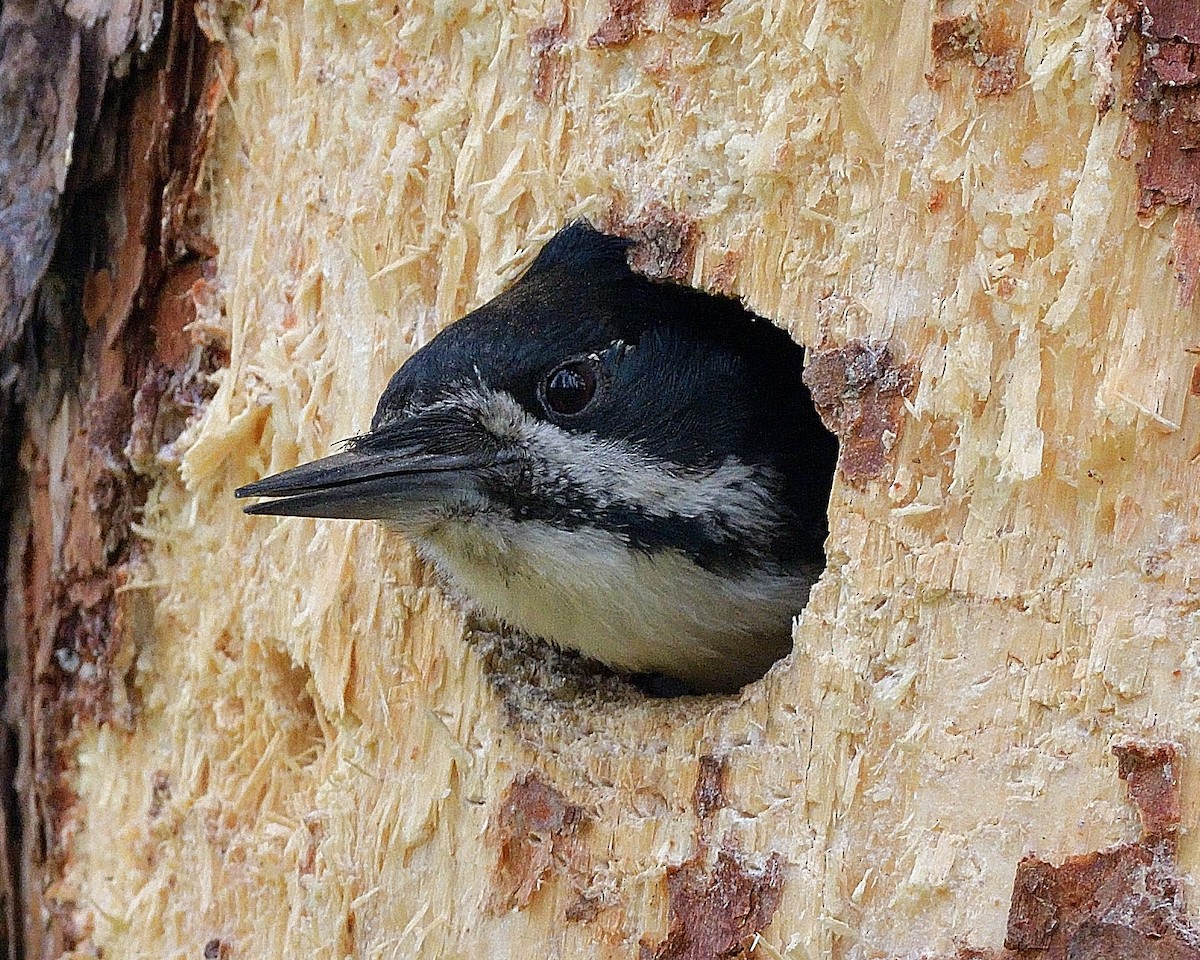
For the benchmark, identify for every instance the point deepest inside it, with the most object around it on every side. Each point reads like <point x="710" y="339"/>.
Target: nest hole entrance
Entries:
<point x="787" y="448"/>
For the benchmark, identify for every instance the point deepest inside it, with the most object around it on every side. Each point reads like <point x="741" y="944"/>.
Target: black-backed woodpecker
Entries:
<point x="629" y="468"/>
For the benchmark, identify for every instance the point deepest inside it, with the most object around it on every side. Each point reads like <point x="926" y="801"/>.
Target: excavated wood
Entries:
<point x="329" y="759"/>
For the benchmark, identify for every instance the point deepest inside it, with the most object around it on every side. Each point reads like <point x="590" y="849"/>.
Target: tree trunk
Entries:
<point x="246" y="737"/>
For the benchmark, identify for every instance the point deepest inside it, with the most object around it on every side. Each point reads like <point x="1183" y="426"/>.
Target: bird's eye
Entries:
<point x="570" y="388"/>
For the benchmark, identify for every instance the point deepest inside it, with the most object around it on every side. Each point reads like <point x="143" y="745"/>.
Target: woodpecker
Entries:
<point x="625" y="467"/>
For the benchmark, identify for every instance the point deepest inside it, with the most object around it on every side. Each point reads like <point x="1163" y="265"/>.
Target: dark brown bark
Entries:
<point x="97" y="244"/>
<point x="39" y="98"/>
<point x="8" y="890"/>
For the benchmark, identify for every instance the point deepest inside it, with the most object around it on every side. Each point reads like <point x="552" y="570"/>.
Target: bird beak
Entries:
<point x="406" y="473"/>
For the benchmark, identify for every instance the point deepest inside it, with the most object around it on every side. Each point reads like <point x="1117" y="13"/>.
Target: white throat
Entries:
<point x="585" y="590"/>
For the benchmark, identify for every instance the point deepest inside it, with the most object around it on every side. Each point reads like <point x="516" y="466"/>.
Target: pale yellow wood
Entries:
<point x="1016" y="595"/>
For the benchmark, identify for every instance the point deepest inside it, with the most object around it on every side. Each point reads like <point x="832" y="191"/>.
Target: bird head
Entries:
<point x="588" y="403"/>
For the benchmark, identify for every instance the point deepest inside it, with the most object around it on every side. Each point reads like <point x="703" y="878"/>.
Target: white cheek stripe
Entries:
<point x="615" y="472"/>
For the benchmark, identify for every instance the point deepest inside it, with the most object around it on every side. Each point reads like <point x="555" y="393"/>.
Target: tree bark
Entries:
<point x="253" y="737"/>
<point x="107" y="113"/>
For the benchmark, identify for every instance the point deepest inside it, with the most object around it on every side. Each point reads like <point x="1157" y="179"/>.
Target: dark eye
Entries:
<point x="570" y="388"/>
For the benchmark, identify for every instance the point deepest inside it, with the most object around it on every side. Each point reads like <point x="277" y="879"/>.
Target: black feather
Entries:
<point x="580" y="246"/>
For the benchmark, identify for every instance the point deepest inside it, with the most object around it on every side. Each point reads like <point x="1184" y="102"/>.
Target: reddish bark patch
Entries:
<point x="171" y="129"/>
<point x="724" y="279"/>
<point x="177" y="380"/>
<point x="955" y="38"/>
<point x="709" y="794"/>
<point x="1001" y="71"/>
<point x="87" y="638"/>
<point x="166" y="400"/>
<point x="111" y="291"/>
<point x="1178" y="19"/>
<point x="536" y="833"/>
<point x="991" y="45"/>
<point x="715" y="914"/>
<point x="859" y="390"/>
<point x="1127" y="900"/>
<point x="693" y="9"/>
<point x="160" y="793"/>
<point x="182" y="289"/>
<point x="1175" y="64"/>
<point x="1151" y="771"/>
<point x="584" y="909"/>
<point x="546" y="50"/>
<point x="192" y="129"/>
<point x="664" y="241"/>
<point x="1120" y="16"/>
<point x="1164" y="105"/>
<point x="10" y="904"/>
<point x="625" y="21"/>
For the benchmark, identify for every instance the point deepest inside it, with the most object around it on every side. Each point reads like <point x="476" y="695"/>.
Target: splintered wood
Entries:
<point x="974" y="214"/>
